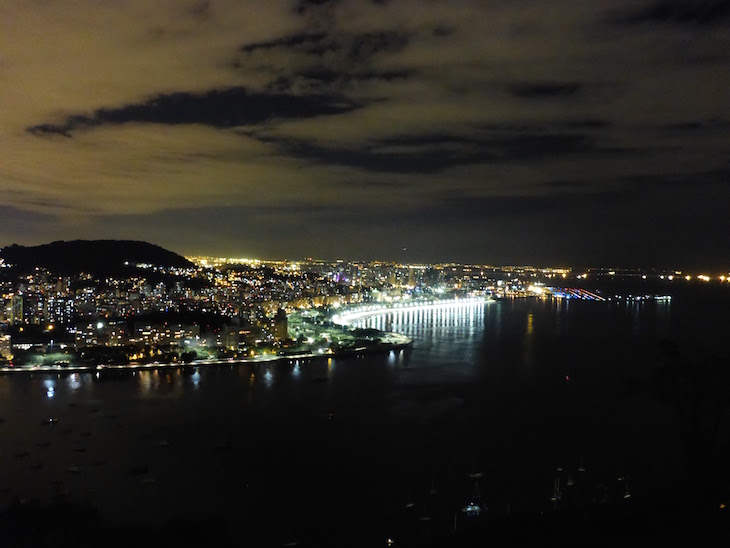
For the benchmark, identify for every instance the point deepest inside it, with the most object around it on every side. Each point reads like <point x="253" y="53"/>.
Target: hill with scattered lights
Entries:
<point x="90" y="256"/>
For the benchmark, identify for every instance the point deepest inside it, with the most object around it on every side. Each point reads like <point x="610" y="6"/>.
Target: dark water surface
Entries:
<point x="319" y="449"/>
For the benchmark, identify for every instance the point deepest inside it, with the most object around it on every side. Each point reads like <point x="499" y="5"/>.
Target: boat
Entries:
<point x="476" y="474"/>
<point x="627" y="491"/>
<point x="410" y="503"/>
<point x="475" y="505"/>
<point x="293" y="541"/>
<point x="557" y="494"/>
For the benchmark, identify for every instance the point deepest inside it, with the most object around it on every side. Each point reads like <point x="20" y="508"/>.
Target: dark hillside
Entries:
<point x="92" y="256"/>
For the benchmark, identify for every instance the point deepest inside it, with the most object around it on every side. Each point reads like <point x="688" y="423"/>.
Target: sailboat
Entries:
<point x="472" y="509"/>
<point x="475" y="506"/>
<point x="292" y="540"/>
<point x="627" y="491"/>
<point x="475" y="475"/>
<point x="557" y="495"/>
<point x="410" y="503"/>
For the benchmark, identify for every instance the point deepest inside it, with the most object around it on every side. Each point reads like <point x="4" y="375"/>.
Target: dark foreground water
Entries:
<point x="489" y="403"/>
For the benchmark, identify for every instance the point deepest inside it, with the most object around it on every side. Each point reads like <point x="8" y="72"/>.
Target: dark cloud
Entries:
<point x="45" y="129"/>
<point x="201" y="9"/>
<point x="303" y="7"/>
<point x="384" y="184"/>
<point x="354" y="47"/>
<point x="329" y="76"/>
<point x="681" y="12"/>
<point x="543" y="90"/>
<point x="579" y="227"/>
<point x="19" y="224"/>
<point x="563" y="184"/>
<point x="325" y="61"/>
<point x="576" y="225"/>
<point x="217" y="108"/>
<point x="462" y="128"/>
<point x="323" y="79"/>
<point x="697" y="126"/>
<point x="588" y="123"/>
<point x="308" y="41"/>
<point x="13" y="215"/>
<point x="442" y="31"/>
<point x="366" y="45"/>
<point x="434" y="153"/>
<point x="546" y="126"/>
<point x="455" y="205"/>
<point x="681" y="181"/>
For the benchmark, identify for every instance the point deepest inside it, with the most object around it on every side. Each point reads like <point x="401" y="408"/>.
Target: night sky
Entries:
<point x="587" y="133"/>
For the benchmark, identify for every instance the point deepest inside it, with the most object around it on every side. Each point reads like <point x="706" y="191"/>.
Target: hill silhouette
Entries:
<point x="91" y="256"/>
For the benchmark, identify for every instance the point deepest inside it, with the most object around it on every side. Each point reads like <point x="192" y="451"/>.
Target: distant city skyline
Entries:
<point x="57" y="260"/>
<point x="590" y="134"/>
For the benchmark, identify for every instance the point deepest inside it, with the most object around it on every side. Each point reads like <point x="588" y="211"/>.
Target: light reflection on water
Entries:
<point x="445" y="339"/>
<point x="484" y="382"/>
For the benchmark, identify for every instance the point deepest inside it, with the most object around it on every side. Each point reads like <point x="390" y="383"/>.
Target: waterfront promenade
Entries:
<point x="353" y="314"/>
<point x="344" y="318"/>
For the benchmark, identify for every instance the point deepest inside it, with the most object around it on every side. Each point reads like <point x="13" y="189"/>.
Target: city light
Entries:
<point x="319" y="301"/>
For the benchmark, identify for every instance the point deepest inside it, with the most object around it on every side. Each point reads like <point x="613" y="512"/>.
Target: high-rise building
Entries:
<point x="229" y="337"/>
<point x="281" y="326"/>
<point x="60" y="309"/>
<point x="34" y="308"/>
<point x="5" y="347"/>
<point x="411" y="276"/>
<point x="15" y="309"/>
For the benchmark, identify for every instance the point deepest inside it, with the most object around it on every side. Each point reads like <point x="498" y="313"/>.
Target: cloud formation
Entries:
<point x="223" y="108"/>
<point x="370" y="117"/>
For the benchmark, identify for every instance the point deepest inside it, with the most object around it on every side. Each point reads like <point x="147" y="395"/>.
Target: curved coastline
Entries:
<point x="344" y="318"/>
<point x="343" y="353"/>
<point x="359" y="313"/>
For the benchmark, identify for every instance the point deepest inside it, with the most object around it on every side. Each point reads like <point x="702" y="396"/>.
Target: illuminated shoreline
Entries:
<point x="346" y="318"/>
<point x="342" y="353"/>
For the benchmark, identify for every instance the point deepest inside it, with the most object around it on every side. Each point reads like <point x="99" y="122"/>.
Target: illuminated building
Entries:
<point x="229" y="338"/>
<point x="5" y="347"/>
<point x="281" y="326"/>
<point x="15" y="309"/>
<point x="60" y="309"/>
